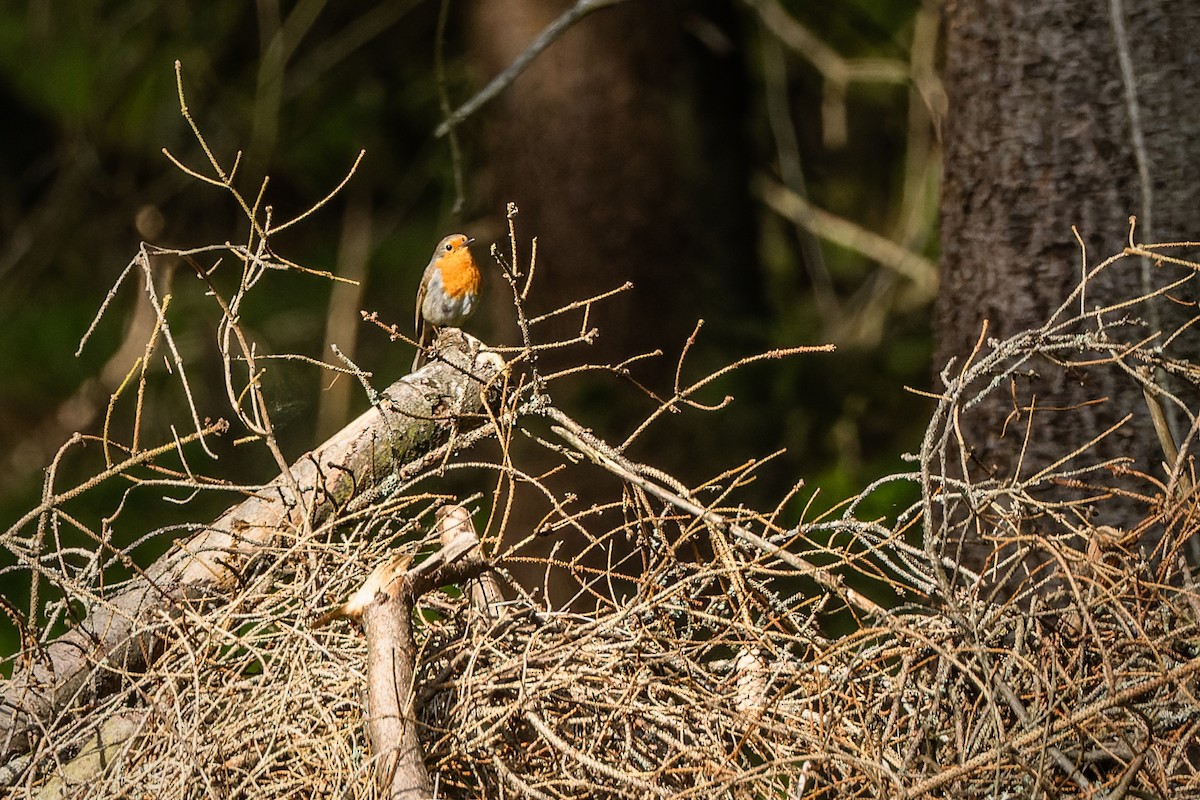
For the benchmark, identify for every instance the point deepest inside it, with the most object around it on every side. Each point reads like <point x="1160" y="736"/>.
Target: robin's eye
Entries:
<point x="449" y="247"/>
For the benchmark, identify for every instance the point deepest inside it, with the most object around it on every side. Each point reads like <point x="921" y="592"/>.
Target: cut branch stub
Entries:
<point x="456" y="529"/>
<point x="385" y="605"/>
<point x="411" y="416"/>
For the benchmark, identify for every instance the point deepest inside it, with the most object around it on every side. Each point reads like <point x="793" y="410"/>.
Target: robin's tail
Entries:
<point x="424" y="338"/>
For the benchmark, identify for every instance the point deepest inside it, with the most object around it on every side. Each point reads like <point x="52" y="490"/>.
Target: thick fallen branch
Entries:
<point x="385" y="605"/>
<point x="411" y="417"/>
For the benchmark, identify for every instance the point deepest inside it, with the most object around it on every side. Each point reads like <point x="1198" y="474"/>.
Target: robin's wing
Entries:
<point x="424" y="336"/>
<point x="421" y="327"/>
<point x="421" y="301"/>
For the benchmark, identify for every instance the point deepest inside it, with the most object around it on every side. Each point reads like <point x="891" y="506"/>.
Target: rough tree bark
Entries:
<point x="1064" y="112"/>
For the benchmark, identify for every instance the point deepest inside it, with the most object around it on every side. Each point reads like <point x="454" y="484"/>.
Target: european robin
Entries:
<point x="449" y="290"/>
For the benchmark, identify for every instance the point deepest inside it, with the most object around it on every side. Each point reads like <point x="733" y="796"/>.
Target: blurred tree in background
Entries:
<point x="768" y="166"/>
<point x="1078" y="119"/>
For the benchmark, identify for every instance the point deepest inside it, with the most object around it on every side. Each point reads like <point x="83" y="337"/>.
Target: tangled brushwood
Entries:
<point x="362" y="626"/>
<point x="686" y="654"/>
<point x="1066" y="666"/>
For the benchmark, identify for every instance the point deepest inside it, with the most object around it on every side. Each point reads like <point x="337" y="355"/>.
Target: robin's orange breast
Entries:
<point x="460" y="275"/>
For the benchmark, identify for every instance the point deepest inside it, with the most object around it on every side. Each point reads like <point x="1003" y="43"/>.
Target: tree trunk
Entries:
<point x="1064" y="113"/>
<point x="622" y="145"/>
<point x="616" y="144"/>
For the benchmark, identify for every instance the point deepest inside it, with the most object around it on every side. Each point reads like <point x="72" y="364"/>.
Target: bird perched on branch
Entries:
<point x="449" y="290"/>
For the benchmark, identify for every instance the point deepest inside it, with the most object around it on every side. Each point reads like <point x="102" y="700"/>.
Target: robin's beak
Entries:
<point x="471" y="240"/>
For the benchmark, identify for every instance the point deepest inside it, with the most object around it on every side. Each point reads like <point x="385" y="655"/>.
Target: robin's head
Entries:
<point x="459" y="272"/>
<point x="455" y="243"/>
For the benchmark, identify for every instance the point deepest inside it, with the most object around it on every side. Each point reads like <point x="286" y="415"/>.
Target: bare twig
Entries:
<point x="555" y="29"/>
<point x="906" y="263"/>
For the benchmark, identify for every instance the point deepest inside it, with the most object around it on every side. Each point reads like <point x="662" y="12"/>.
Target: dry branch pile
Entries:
<point x="700" y="667"/>
<point x="675" y="642"/>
